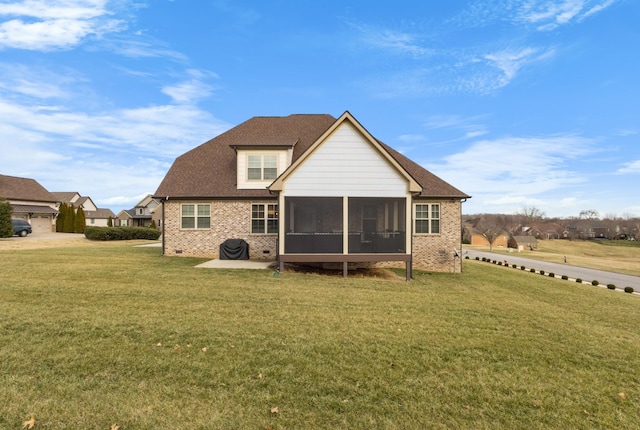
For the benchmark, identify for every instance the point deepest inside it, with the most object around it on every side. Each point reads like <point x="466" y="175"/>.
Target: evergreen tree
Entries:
<point x="110" y="222"/>
<point x="153" y="225"/>
<point x="6" y="228"/>
<point x="62" y="212"/>
<point x="80" y="221"/>
<point x="69" y="219"/>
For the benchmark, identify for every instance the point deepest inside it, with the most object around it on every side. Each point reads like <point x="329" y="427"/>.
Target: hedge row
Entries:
<point x="551" y="275"/>
<point x="121" y="233"/>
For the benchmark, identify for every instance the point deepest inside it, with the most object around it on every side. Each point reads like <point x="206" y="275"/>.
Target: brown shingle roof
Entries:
<point x="15" y="188"/>
<point x="210" y="169"/>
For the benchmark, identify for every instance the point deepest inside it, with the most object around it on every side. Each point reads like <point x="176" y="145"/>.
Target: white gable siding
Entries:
<point x="346" y="164"/>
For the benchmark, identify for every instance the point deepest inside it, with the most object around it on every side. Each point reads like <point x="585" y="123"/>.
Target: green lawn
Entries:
<point x="115" y="334"/>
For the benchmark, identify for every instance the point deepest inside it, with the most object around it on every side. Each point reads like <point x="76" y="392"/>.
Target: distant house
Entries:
<point x="589" y="229"/>
<point x="523" y="242"/>
<point x="310" y="189"/>
<point x="95" y="216"/>
<point x="142" y="214"/>
<point x="30" y="201"/>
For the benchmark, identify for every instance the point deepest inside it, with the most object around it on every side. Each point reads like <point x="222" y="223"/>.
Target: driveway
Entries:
<point x="603" y="277"/>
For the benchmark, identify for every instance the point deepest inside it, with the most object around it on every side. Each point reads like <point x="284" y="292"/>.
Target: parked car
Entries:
<point x="21" y="227"/>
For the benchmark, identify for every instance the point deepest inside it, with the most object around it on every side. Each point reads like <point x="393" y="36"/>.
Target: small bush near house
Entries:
<point x="579" y="281"/>
<point x="121" y="233"/>
<point x="595" y="283"/>
<point x="628" y="289"/>
<point x="565" y="277"/>
<point x="611" y="286"/>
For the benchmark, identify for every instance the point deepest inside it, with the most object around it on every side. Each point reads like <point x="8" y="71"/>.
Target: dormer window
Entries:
<point x="262" y="167"/>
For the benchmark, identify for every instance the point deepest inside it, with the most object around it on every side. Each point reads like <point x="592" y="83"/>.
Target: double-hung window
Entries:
<point x="264" y="218"/>
<point x="196" y="216"/>
<point x="262" y="167"/>
<point x="427" y="218"/>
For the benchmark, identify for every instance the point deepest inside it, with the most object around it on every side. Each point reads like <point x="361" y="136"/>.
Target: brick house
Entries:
<point x="310" y="189"/>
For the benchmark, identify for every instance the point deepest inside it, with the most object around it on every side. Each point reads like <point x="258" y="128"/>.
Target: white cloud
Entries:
<point x="549" y="15"/>
<point x="519" y="166"/>
<point x="44" y="25"/>
<point x="389" y="40"/>
<point x="632" y="167"/>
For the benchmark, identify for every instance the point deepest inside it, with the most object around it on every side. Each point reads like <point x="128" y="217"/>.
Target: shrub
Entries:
<point x="565" y="277"/>
<point x="522" y="267"/>
<point x="499" y="263"/>
<point x="542" y="272"/>
<point x="477" y="258"/>
<point x="628" y="289"/>
<point x="514" y="265"/>
<point x="121" y="233"/>
<point x="579" y="281"/>
<point x="532" y="270"/>
<point x="552" y="275"/>
<point x="595" y="283"/>
<point x="611" y="286"/>
<point x="467" y="257"/>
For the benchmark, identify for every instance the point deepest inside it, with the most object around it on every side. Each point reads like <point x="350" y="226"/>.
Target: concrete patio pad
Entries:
<point x="237" y="264"/>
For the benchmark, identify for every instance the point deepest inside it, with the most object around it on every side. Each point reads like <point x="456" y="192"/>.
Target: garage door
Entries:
<point x="41" y="224"/>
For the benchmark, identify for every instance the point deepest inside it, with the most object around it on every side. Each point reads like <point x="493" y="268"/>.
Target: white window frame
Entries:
<point x="431" y="220"/>
<point x="267" y="215"/>
<point x="201" y="219"/>
<point x="263" y="160"/>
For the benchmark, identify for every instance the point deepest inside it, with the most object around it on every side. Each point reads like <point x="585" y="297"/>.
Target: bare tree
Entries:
<point x="531" y="214"/>
<point x="589" y="214"/>
<point x="491" y="226"/>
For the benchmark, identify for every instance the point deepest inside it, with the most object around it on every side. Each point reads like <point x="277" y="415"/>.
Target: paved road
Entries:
<point x="618" y="279"/>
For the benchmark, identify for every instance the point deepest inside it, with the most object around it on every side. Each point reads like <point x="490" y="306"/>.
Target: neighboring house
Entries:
<point x="30" y="201"/>
<point x="141" y="215"/>
<point x="310" y="189"/>
<point x="94" y="216"/>
<point x="523" y="242"/>
<point x="589" y="229"/>
<point x="501" y="240"/>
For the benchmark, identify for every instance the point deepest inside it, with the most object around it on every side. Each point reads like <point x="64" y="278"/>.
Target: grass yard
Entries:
<point x="109" y="333"/>
<point x="619" y="256"/>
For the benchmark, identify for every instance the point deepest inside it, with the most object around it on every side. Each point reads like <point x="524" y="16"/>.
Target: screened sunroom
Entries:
<point x="329" y="225"/>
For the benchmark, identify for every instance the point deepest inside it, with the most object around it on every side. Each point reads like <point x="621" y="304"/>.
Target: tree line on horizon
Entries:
<point x="531" y="221"/>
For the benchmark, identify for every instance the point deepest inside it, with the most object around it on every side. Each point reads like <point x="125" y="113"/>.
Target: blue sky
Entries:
<point x="519" y="103"/>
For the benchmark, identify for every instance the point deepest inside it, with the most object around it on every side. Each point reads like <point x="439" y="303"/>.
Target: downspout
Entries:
<point x="163" y="222"/>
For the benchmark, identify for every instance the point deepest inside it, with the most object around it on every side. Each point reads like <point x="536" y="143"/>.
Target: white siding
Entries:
<point x="346" y="164"/>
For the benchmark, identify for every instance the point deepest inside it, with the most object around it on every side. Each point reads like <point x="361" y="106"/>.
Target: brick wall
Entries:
<point x="232" y="220"/>
<point x="435" y="252"/>
<point x="229" y="220"/>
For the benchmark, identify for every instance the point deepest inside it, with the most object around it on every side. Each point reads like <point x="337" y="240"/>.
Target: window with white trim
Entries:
<point x="264" y="218"/>
<point x="195" y="216"/>
<point x="262" y="167"/>
<point x="427" y="218"/>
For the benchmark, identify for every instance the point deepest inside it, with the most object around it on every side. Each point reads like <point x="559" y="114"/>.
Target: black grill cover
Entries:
<point x="234" y="249"/>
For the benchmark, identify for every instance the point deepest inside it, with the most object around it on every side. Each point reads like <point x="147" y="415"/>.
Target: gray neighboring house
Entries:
<point x="31" y="202"/>
<point x="146" y="211"/>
